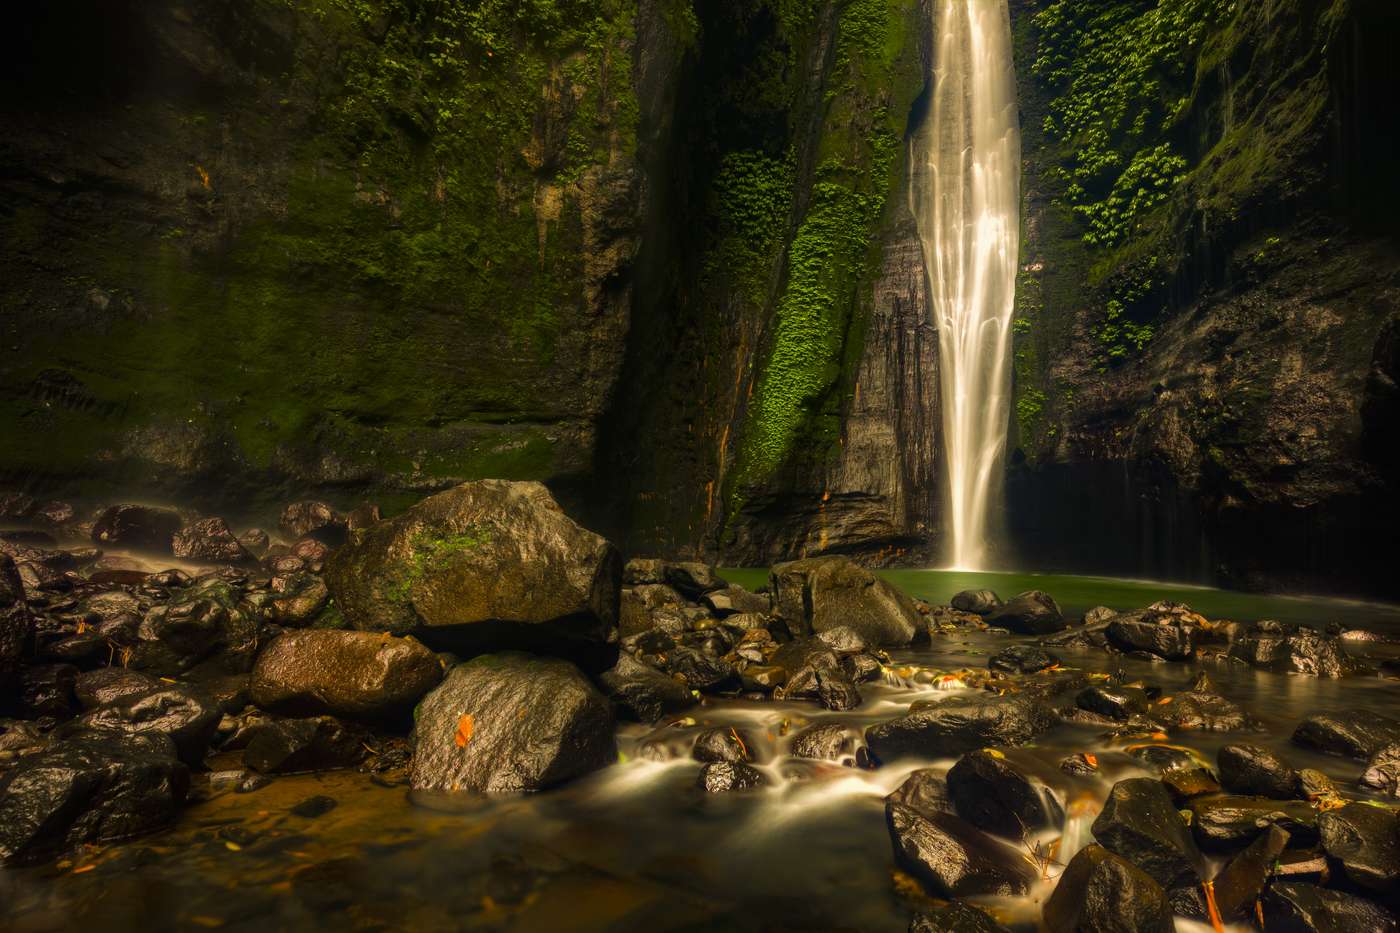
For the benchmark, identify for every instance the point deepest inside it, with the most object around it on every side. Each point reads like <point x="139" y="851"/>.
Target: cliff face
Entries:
<point x="1205" y="369"/>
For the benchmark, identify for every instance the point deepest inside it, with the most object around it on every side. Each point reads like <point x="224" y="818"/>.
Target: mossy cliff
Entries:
<point x="278" y="245"/>
<point x="1209" y="275"/>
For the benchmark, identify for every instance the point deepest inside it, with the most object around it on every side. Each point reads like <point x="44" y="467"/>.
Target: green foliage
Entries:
<point x="431" y="554"/>
<point x="1028" y="410"/>
<point x="1143" y="185"/>
<point x="1119" y="335"/>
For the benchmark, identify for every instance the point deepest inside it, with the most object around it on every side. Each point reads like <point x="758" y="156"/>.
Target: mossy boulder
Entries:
<point x="822" y="593"/>
<point x="482" y="566"/>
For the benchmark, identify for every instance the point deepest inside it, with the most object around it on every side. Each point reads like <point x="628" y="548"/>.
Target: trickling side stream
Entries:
<point x="965" y="195"/>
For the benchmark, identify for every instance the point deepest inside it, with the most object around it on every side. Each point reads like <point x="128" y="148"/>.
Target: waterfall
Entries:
<point x="965" y="195"/>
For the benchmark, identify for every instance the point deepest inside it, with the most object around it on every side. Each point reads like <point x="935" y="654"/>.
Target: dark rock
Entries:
<point x="639" y="605"/>
<point x="1120" y="703"/>
<point x="1140" y="823"/>
<point x="184" y="715"/>
<point x="924" y="791"/>
<point x="1099" y="616"/>
<point x="1254" y="770"/>
<point x="721" y="777"/>
<point x="110" y="684"/>
<point x="295" y="746"/>
<point x="312" y="807"/>
<point x="169" y="579"/>
<point x="1189" y="783"/>
<point x="1203" y="712"/>
<point x="209" y="540"/>
<point x="960" y="725"/>
<point x="843" y="640"/>
<point x="484" y="565"/>
<point x="724" y="744"/>
<point x="1382" y="772"/>
<point x="91" y="787"/>
<point x="1364" y="843"/>
<point x="255" y="541"/>
<point x="1030" y="613"/>
<point x="1100" y="892"/>
<point x="1022" y="659"/>
<point x="692" y="578"/>
<point x="1080" y="764"/>
<point x="137" y="526"/>
<point x="700" y="671"/>
<point x="956" y="917"/>
<point x="1166" y="639"/>
<point x="1306" y="908"/>
<point x="1166" y="757"/>
<point x="981" y="602"/>
<point x="313" y="519"/>
<point x="827" y="742"/>
<point x="733" y="600"/>
<point x="640" y="571"/>
<point x="298" y="599"/>
<point x="834" y="692"/>
<point x="1351" y="733"/>
<point x="994" y="793"/>
<point x="511" y="722"/>
<point x="822" y="593"/>
<point x="1300" y="651"/>
<point x="361" y="517"/>
<point x="205" y="624"/>
<point x="643" y="693"/>
<point x="861" y="668"/>
<point x="16" y="626"/>
<point x="1227" y="823"/>
<point x="47" y="690"/>
<point x="312" y="552"/>
<point x="951" y="857"/>
<point x="1239" y="884"/>
<point x="356" y="674"/>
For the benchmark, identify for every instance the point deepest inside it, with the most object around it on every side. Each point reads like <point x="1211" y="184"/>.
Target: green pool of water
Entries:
<point x="1076" y="594"/>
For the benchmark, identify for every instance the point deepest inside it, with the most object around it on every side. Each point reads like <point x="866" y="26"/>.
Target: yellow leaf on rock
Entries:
<point x="463" y="735"/>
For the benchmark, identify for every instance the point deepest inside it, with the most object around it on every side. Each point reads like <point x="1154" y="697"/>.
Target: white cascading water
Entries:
<point x="964" y="191"/>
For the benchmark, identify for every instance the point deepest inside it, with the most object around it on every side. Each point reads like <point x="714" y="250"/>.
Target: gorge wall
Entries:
<point x="659" y="255"/>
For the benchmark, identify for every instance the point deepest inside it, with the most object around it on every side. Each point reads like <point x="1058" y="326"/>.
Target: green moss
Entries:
<point x="431" y="554"/>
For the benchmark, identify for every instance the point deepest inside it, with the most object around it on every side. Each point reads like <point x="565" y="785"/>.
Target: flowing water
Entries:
<point x="964" y="191"/>
<point x="638" y="846"/>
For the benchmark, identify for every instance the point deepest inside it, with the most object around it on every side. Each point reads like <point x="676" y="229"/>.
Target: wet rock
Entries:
<point x="701" y="672"/>
<point x="511" y="722"/>
<point x="47" y="690"/>
<point x="639" y="606"/>
<point x="169" y="579"/>
<point x="1189" y="783"/>
<point x="1120" y="703"/>
<point x="827" y="742"/>
<point x="822" y="593"/>
<point x="356" y="674"/>
<point x="1314" y="785"/>
<point x="1307" y="908"/>
<point x="834" y="692"/>
<point x="1363" y="842"/>
<point x="1239" y="883"/>
<point x="1080" y="764"/>
<point x="723" y="744"/>
<point x="484" y="565"/>
<point x="110" y="684"/>
<point x="1100" y="892"/>
<point x="1293" y="650"/>
<point x="16" y="626"/>
<point x="90" y="787"/>
<point x="733" y="600"/>
<point x="211" y="541"/>
<point x="1030" y="613"/>
<point x="313" y="519"/>
<point x="1140" y="823"/>
<point x="313" y="807"/>
<point x="994" y="793"/>
<point x="642" y="693"/>
<point x="181" y="713"/>
<point x="1202" y="712"/>
<point x="1165" y="757"/>
<point x="960" y="725"/>
<point x="1382" y="772"/>
<point x="1167" y="639"/>
<point x="861" y="668"/>
<point x="843" y="640"/>
<point x="692" y="578"/>
<point x="951" y="857"/>
<point x="255" y="541"/>
<point x="298" y="599"/>
<point x="924" y="791"/>
<point x="1226" y="823"/>
<point x="1351" y="733"/>
<point x="137" y="526"/>
<point x="312" y="552"/>
<point x="204" y="624"/>
<point x="1254" y="770"/>
<point x="1099" y="616"/>
<point x="981" y="602"/>
<point x="956" y="917"/>
<point x="721" y="777"/>
<point x="295" y="746"/>
<point x="1022" y="659"/>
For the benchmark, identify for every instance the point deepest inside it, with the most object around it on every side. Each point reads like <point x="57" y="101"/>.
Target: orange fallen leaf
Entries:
<point x="465" y="725"/>
<point x="1093" y="760"/>
<point x="82" y="868"/>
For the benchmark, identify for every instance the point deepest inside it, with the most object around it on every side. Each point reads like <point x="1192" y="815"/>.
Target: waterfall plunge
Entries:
<point x="965" y="166"/>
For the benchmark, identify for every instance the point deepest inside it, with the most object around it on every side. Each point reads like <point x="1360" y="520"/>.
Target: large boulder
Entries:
<point x="1382" y="772"/>
<point x="1165" y="638"/>
<point x="822" y="593"/>
<point x="110" y="684"/>
<point x="1140" y="822"/>
<point x="999" y="795"/>
<point x="137" y="526"/>
<point x="952" y="857"/>
<point x="483" y="566"/>
<point x="184" y="715"/>
<point x="296" y="746"/>
<point x="207" y="625"/>
<point x="828" y="741"/>
<point x="209" y="540"/>
<point x="643" y="693"/>
<point x="1201" y="712"/>
<point x="1354" y="733"/>
<point x="1307" y="908"/>
<point x="355" y="674"/>
<point x="1226" y="823"/>
<point x="1252" y="769"/>
<point x="924" y="791"/>
<point x="1030" y="613"/>
<point x="1364" y="843"/>
<point x="94" y="786"/>
<point x="511" y="722"/>
<point x="1100" y="892"/>
<point x="1293" y="650"/>
<point x="956" y="726"/>
<point x="980" y="602"/>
